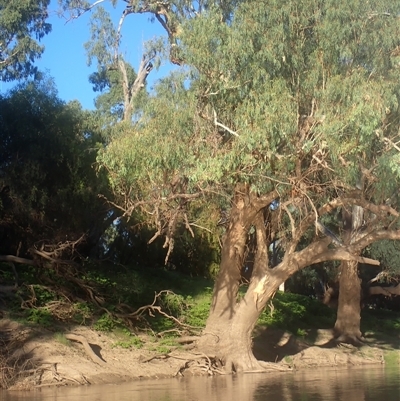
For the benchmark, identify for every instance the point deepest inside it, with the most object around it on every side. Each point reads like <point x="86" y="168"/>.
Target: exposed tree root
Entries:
<point x="88" y="349"/>
<point x="192" y="362"/>
<point x="270" y="366"/>
<point x="196" y="362"/>
<point x="49" y="375"/>
<point x="187" y="339"/>
<point x="352" y="340"/>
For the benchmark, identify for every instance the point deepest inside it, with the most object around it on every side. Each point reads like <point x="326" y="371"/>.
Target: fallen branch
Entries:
<point x="17" y="259"/>
<point x="208" y="366"/>
<point x="151" y="309"/>
<point x="388" y="291"/>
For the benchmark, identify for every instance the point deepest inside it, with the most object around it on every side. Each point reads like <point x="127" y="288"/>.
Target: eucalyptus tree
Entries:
<point x="121" y="87"/>
<point x="106" y="36"/>
<point x="23" y="24"/>
<point x="169" y="14"/>
<point x="279" y="109"/>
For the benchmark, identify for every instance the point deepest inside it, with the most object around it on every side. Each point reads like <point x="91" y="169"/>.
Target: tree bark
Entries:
<point x="131" y="92"/>
<point x="348" y="320"/>
<point x="227" y="336"/>
<point x="228" y="333"/>
<point x="347" y="326"/>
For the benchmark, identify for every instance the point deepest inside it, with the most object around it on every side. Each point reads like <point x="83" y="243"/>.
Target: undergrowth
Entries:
<point x="296" y="313"/>
<point x="187" y="300"/>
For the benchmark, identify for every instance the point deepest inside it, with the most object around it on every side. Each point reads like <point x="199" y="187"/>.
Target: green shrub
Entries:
<point x="82" y="312"/>
<point x="173" y="304"/>
<point x="105" y="323"/>
<point x="198" y="309"/>
<point x="40" y="316"/>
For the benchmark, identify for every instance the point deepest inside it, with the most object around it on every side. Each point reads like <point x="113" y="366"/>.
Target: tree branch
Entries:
<point x="223" y="126"/>
<point x="335" y="203"/>
<point x="144" y="70"/>
<point x="318" y="252"/>
<point x="17" y="259"/>
<point x="85" y="10"/>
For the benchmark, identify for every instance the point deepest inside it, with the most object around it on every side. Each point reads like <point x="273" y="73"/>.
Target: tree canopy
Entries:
<point x="23" y="24"/>
<point x="49" y="187"/>
<point x="278" y="98"/>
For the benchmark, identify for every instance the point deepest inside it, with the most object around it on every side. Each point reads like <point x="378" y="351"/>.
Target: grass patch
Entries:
<point x="392" y="358"/>
<point x="126" y="339"/>
<point x="60" y="337"/>
<point x="192" y="310"/>
<point x="380" y="320"/>
<point x="82" y="312"/>
<point x="133" y="342"/>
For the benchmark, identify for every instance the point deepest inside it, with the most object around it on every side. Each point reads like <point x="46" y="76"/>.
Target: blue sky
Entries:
<point x="65" y="59"/>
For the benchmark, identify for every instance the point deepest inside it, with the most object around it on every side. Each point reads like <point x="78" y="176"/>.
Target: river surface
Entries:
<point x="351" y="384"/>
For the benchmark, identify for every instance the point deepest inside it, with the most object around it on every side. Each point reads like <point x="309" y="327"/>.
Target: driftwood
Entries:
<point x="88" y="349"/>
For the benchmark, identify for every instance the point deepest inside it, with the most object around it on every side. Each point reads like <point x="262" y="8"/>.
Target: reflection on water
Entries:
<point x="352" y="384"/>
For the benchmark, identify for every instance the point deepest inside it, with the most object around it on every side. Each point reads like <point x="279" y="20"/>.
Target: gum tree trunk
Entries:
<point x="227" y="336"/>
<point x="347" y="326"/>
<point x="228" y="333"/>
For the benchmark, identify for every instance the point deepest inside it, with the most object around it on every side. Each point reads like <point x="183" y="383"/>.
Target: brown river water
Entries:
<point x="351" y="384"/>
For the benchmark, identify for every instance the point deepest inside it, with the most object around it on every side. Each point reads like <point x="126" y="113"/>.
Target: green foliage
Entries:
<point x="47" y="166"/>
<point x="310" y="281"/>
<point x="105" y="323"/>
<point x="380" y="320"/>
<point x="43" y="295"/>
<point x="82" y="312"/>
<point x="104" y="38"/>
<point x="190" y="310"/>
<point x="387" y="252"/>
<point x="40" y="316"/>
<point x="23" y="25"/>
<point x="296" y="312"/>
<point x="199" y="309"/>
<point x="238" y="111"/>
<point x="131" y="341"/>
<point x="174" y="304"/>
<point x="114" y="77"/>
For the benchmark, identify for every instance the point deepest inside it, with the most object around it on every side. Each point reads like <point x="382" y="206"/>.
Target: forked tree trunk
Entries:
<point x="228" y="333"/>
<point x="228" y="338"/>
